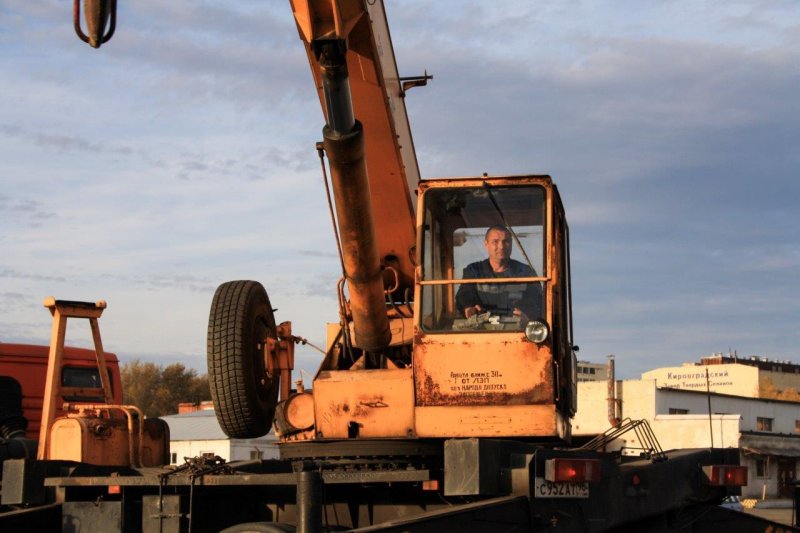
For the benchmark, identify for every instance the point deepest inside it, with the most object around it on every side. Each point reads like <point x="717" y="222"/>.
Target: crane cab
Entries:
<point x="492" y="352"/>
<point x="505" y="369"/>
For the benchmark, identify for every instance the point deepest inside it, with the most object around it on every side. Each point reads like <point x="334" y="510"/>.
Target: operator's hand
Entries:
<point x="473" y="310"/>
<point x="522" y="316"/>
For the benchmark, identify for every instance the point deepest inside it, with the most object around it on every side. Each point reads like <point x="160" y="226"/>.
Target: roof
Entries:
<point x="199" y="425"/>
<point x="725" y="395"/>
<point x="42" y="351"/>
<point x="763" y="444"/>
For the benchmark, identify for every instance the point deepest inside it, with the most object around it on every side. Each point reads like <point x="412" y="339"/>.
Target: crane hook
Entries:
<point x="97" y="14"/>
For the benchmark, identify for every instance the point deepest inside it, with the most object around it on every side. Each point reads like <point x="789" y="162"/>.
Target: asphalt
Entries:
<point x="781" y="515"/>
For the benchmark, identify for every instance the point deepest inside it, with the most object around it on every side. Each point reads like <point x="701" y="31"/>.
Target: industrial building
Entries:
<point x="588" y="371"/>
<point x="198" y="434"/>
<point x="766" y="431"/>
<point x="752" y="376"/>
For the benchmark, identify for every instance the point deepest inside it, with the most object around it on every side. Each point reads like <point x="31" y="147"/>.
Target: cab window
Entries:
<point x="483" y="258"/>
<point x="83" y="377"/>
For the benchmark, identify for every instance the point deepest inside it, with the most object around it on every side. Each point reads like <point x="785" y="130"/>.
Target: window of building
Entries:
<point x="763" y="424"/>
<point x="173" y="458"/>
<point x="256" y="454"/>
<point x="761" y="468"/>
<point x="676" y="411"/>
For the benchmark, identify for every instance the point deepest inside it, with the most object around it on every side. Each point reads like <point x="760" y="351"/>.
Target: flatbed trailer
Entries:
<point x="458" y="484"/>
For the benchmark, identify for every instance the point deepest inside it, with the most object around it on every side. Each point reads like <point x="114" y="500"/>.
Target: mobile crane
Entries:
<point x="397" y="369"/>
<point x="422" y="416"/>
<point x="419" y="376"/>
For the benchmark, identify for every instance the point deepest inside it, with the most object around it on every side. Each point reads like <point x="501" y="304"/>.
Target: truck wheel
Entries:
<point x="260" y="527"/>
<point x="244" y="393"/>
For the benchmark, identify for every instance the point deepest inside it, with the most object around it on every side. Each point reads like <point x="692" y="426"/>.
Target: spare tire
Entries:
<point x="244" y="393"/>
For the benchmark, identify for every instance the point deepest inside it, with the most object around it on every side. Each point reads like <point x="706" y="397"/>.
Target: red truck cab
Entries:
<point x="27" y="364"/>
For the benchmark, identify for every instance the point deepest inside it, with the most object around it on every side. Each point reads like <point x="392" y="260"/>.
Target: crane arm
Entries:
<point x="378" y="104"/>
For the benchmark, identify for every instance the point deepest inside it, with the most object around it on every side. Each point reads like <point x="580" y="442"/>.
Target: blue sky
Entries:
<point x="181" y="155"/>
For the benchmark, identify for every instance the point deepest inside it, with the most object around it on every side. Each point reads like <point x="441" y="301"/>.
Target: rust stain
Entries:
<point x="521" y="372"/>
<point x="430" y="395"/>
<point x="362" y="407"/>
<point x="419" y="339"/>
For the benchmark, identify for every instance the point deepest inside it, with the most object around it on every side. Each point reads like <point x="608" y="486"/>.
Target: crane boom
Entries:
<point x="378" y="103"/>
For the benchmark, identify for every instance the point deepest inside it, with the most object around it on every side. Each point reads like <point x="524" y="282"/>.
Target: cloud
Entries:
<point x="15" y="274"/>
<point x="181" y="154"/>
<point x="62" y="142"/>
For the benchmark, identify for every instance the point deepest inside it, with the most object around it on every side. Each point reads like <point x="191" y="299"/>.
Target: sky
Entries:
<point x="180" y="155"/>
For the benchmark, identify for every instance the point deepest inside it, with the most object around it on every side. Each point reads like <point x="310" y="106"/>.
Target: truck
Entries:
<point x="24" y="366"/>
<point x="23" y="373"/>
<point x="444" y="397"/>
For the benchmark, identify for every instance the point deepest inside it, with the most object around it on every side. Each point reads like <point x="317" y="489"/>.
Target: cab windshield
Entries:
<point x="483" y="258"/>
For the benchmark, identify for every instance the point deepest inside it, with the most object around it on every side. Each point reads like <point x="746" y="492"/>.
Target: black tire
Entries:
<point x="244" y="394"/>
<point x="260" y="527"/>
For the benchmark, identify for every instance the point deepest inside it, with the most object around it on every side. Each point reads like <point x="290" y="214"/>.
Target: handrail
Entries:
<point x="648" y="441"/>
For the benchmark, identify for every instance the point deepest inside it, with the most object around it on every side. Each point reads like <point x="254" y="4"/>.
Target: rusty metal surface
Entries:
<point x="379" y="105"/>
<point x="366" y="403"/>
<point x="543" y="180"/>
<point x="391" y="449"/>
<point x="294" y="415"/>
<point x="287" y="478"/>
<point x="61" y="311"/>
<point x="489" y="383"/>
<point x="489" y="421"/>
<point x="481" y="369"/>
<point x="326" y="19"/>
<point x="96" y="440"/>
<point x="359" y="245"/>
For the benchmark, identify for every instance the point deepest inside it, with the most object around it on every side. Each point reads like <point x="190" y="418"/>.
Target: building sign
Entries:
<point x="740" y="380"/>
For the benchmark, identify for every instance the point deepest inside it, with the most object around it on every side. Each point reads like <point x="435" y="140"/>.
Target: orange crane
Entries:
<point x="444" y="397"/>
<point x="406" y="361"/>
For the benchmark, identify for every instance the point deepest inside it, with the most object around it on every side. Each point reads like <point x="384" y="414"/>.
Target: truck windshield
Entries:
<point x="483" y="258"/>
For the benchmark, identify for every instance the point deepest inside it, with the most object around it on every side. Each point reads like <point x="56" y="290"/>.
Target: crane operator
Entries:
<point x="523" y="300"/>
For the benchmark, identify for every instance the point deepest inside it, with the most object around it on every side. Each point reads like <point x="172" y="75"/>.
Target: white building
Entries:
<point x="743" y="376"/>
<point x="588" y="371"/>
<point x="766" y="432"/>
<point x="199" y="434"/>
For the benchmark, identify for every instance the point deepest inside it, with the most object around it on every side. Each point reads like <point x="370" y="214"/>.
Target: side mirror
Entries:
<point x="98" y="13"/>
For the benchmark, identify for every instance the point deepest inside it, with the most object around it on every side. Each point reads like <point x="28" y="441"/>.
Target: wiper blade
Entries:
<point x="507" y="226"/>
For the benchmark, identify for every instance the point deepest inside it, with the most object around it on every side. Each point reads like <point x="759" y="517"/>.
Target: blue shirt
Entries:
<point x="501" y="297"/>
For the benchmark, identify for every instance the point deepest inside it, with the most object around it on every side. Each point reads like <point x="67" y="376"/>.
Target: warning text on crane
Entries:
<point x="476" y="382"/>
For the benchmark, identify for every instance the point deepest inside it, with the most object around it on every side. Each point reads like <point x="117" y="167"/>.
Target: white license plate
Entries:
<point x="549" y="489"/>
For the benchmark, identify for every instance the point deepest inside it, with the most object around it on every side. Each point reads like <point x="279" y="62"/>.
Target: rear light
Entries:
<point x="430" y="484"/>
<point x="572" y="470"/>
<point x="725" y="475"/>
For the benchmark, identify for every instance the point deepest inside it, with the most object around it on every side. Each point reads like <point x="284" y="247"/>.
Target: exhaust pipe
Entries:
<point x="613" y="403"/>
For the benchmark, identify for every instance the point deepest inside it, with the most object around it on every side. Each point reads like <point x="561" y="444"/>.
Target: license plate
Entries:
<point x="549" y="489"/>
